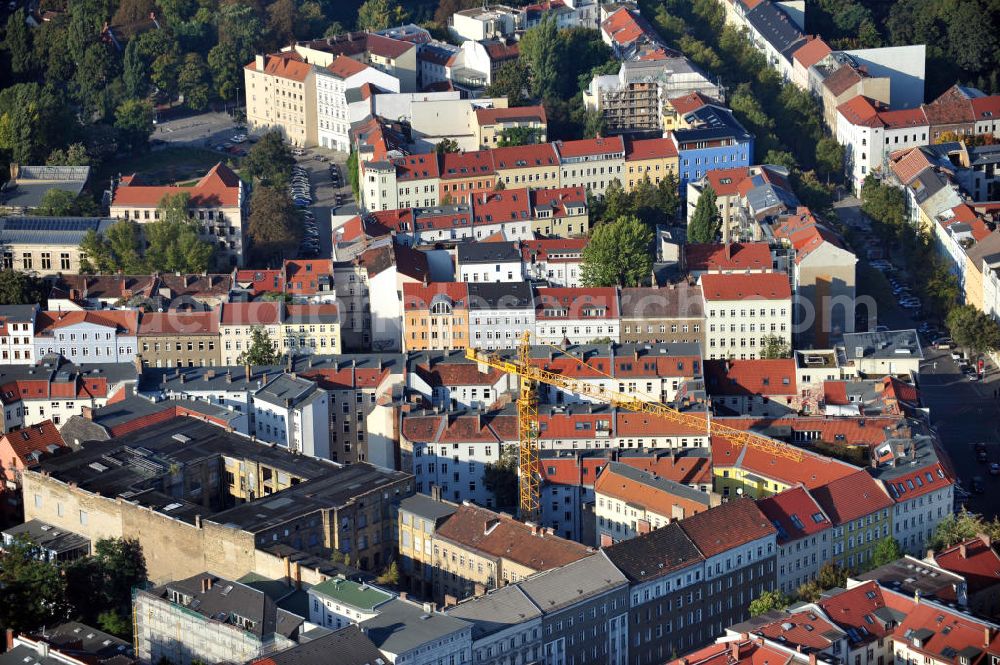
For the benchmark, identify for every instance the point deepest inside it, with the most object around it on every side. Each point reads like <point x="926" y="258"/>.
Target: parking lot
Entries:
<point x="203" y="130"/>
<point x="316" y="163"/>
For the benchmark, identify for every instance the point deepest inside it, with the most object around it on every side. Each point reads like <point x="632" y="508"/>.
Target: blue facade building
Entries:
<point x="713" y="140"/>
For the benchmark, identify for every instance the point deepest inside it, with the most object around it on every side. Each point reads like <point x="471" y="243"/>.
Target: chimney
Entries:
<point x="985" y="537"/>
<point x="436" y="492"/>
<point x="734" y="650"/>
<point x="812" y="658"/>
<point x="180" y="376"/>
<point x="209" y="375"/>
<point x="963" y="551"/>
<point x="138" y="365"/>
<point x="10" y="631"/>
<point x="987" y="636"/>
<point x="206" y="584"/>
<point x="246" y="371"/>
<point x="229" y="377"/>
<point x="259" y="63"/>
<point x="87" y="412"/>
<point x="403" y="595"/>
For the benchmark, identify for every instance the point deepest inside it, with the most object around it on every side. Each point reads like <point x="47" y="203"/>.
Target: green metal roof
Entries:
<point x="350" y="593"/>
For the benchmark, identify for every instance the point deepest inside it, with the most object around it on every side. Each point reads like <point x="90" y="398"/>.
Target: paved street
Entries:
<point x="963" y="412"/>
<point x="324" y="193"/>
<point x="216" y="128"/>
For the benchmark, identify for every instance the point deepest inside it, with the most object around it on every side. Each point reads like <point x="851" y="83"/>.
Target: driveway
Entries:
<point x="325" y="194"/>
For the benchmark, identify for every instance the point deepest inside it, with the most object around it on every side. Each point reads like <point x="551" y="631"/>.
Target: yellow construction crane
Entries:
<point x="527" y="411"/>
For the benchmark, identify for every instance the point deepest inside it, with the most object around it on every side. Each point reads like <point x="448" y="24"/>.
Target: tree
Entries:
<point x="446" y="145"/>
<point x="509" y="81"/>
<point x="541" y="50"/>
<point x="192" y="82"/>
<point x="954" y="529"/>
<point x="973" y="329"/>
<point x="75" y="154"/>
<point x="134" y="122"/>
<point x="618" y="254"/>
<point x="831" y="576"/>
<point x="275" y="226"/>
<point x="334" y="29"/>
<point x="174" y="240"/>
<point x="118" y="249"/>
<point x="829" y="157"/>
<point x="99" y="587"/>
<point x="706" y="221"/>
<point x="376" y="15"/>
<point x="781" y="158"/>
<point x="886" y="551"/>
<point x="33" y="590"/>
<point x="224" y="67"/>
<point x="242" y="28"/>
<point x="282" y="18"/>
<point x="57" y="203"/>
<point x="767" y="601"/>
<point x="262" y="350"/>
<point x="166" y="68"/>
<point x="269" y="161"/>
<point x="18" y="288"/>
<point x="34" y="119"/>
<point x="18" y="43"/>
<point x="775" y="347"/>
<point x="115" y="623"/>
<point x="513" y="136"/>
<point x="594" y="124"/>
<point x="135" y="71"/>
<point x="390" y="576"/>
<point x="352" y="174"/>
<point x="670" y="198"/>
<point x="501" y="477"/>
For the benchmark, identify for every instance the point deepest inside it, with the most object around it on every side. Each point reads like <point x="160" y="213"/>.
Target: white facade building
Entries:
<point x="295" y="414"/>
<point x="742" y="311"/>
<point x="333" y="122"/>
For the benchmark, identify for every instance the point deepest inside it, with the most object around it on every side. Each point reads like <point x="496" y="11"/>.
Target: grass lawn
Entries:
<point x="164" y="167"/>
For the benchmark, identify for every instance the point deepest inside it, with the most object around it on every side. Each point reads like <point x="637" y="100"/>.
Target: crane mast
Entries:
<point x="529" y="469"/>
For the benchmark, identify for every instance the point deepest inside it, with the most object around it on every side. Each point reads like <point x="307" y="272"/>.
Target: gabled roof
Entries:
<point x="287" y="64"/>
<point x="865" y="612"/>
<point x="124" y="322"/>
<point x="179" y="323"/>
<point x="811" y="470"/>
<point x="852" y="497"/>
<point x="591" y="147"/>
<point x="759" y="286"/>
<point x="654" y="554"/>
<point x="220" y="187"/>
<point x="494" y="116"/>
<point x="690" y="102"/>
<point x="860" y="110"/>
<point x="811" y="52"/>
<point x="31" y="444"/>
<point x="421" y="296"/>
<point x="343" y="67"/>
<point x="909" y="164"/>
<point x="794" y="513"/>
<point x="525" y="156"/>
<point x="642" y="488"/>
<point x="251" y="313"/>
<point x="976" y="560"/>
<point x="755" y="256"/>
<point x="640" y="149"/>
<point x="575" y="303"/>
<point x="726" y="527"/>
<point x="471" y="164"/>
<point x="751" y="377"/>
<point x="726" y="182"/>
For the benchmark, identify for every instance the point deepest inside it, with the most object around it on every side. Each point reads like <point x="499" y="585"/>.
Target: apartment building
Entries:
<point x="560" y="212"/>
<point x="179" y="339"/>
<point x="714" y="140"/>
<point x="491" y="125"/>
<point x="294" y="413"/>
<point x="554" y="261"/>
<point x="333" y="121"/>
<point x="648" y="158"/>
<point x="23" y="448"/>
<point x="451" y="382"/>
<point x="238" y="322"/>
<point x="591" y="163"/>
<point x="471" y="549"/>
<point x="500" y="314"/>
<point x="87" y="337"/>
<point x="672" y="314"/>
<point x="759" y="388"/>
<point x="281" y="95"/>
<point x="309" y="329"/>
<point x="804" y="537"/>
<point x="488" y="262"/>
<point x="576" y="316"/>
<point x="727" y="258"/>
<point x="339" y="602"/>
<point x="218" y="202"/>
<point x="208" y="619"/>
<point x="860" y="510"/>
<point x="535" y="166"/>
<point x="17" y="330"/>
<point x="465" y="176"/>
<point x="435" y="316"/>
<point x="743" y="311"/>
<point x="46" y="246"/>
<point x="400" y="182"/>
<point x="630" y="502"/>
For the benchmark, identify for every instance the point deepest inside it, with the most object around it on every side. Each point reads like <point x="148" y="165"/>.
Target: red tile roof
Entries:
<point x="903" y="118"/>
<point x="805" y="234"/>
<point x="251" y="313"/>
<point x="179" y="323"/>
<point x="751" y="256"/>
<point x="690" y="102"/>
<point x="417" y="167"/>
<point x="811" y="52"/>
<point x="805" y="630"/>
<point x="261" y="281"/>
<point x="760" y="286"/>
<point x="498" y="51"/>
<point x="343" y="67"/>
<point x="220" y="187"/>
<point x="420" y="296"/>
<point x="30" y="444"/>
<point x="975" y="560"/>
<point x="751" y="377"/>
<point x="851" y="497"/>
<point x="576" y="303"/>
<point x="124" y="322"/>
<point x="525" y="156"/>
<point x="557" y="200"/>
<point x="494" y="116"/>
<point x="287" y="64"/>
<point x="508" y="205"/>
<point x="986" y="108"/>
<point x="952" y="107"/>
<point x="457" y="374"/>
<point x="504" y="537"/>
<point x="738" y="652"/>
<point x="842" y="79"/>
<point x="652" y="497"/>
<point x="908" y="164"/>
<point x="386" y="46"/>
<point x="860" y="110"/>
<point x="794" y="513"/>
<point x="611" y="145"/>
<point x="553" y="250"/>
<point x="639" y="149"/>
<point x="854" y="611"/>
<point x="945" y="634"/>
<point x="726" y="527"/>
<point x="811" y="470"/>
<point x="470" y="164"/>
<point x="726" y="182"/>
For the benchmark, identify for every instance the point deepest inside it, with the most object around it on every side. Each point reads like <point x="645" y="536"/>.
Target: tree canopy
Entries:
<point x="262" y="350"/>
<point x="706" y="221"/>
<point x="767" y="601"/>
<point x="886" y="551"/>
<point x="954" y="529"/>
<point x="973" y="329"/>
<point x="269" y="161"/>
<point x="275" y="226"/>
<point x="18" y="288"/>
<point x="619" y="253"/>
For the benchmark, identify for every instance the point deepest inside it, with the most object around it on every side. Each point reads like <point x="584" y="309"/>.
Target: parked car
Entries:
<point x="943" y="343"/>
<point x="298" y="152"/>
<point x="957" y="356"/>
<point x="995" y="469"/>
